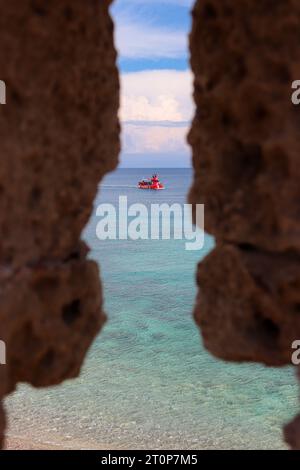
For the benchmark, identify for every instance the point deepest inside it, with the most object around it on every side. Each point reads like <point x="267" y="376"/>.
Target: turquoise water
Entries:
<point x="148" y="382"/>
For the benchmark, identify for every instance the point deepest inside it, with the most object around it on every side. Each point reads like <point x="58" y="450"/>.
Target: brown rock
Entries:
<point x="51" y="312"/>
<point x="245" y="135"/>
<point x="59" y="134"/>
<point x="246" y="155"/>
<point x="59" y="128"/>
<point x="248" y="304"/>
<point x="292" y="433"/>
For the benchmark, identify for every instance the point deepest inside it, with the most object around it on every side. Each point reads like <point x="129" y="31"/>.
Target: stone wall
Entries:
<point x="246" y="155"/>
<point x="59" y="135"/>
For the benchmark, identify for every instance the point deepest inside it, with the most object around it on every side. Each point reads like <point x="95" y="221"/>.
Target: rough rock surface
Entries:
<point x="59" y="134"/>
<point x="292" y="433"/>
<point x="244" y="57"/>
<point x="246" y="154"/>
<point x="248" y="304"/>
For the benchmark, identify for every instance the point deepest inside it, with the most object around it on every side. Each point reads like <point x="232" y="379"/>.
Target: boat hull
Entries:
<point x="151" y="187"/>
<point x="152" y="183"/>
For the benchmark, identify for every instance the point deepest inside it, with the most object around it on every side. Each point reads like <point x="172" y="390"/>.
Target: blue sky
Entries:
<point x="156" y="84"/>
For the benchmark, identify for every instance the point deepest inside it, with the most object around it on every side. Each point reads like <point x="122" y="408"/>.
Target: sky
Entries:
<point x="156" y="83"/>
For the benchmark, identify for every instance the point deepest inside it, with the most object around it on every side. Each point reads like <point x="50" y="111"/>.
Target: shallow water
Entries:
<point x="147" y="381"/>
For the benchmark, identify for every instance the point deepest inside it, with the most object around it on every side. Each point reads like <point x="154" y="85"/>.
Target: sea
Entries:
<point x="148" y="382"/>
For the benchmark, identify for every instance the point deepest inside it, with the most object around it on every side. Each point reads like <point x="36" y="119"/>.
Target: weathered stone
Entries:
<point x="248" y="304"/>
<point x="51" y="314"/>
<point x="245" y="135"/>
<point x="246" y="155"/>
<point x="59" y="128"/>
<point x="59" y="134"/>
<point x="292" y="433"/>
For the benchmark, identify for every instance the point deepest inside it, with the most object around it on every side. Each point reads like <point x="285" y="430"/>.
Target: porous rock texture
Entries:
<point x="246" y="154"/>
<point x="59" y="135"/>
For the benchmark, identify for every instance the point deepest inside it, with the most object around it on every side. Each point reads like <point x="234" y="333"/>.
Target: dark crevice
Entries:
<point x="71" y="312"/>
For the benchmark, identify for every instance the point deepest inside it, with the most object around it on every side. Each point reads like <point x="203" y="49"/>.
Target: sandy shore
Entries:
<point x="20" y="443"/>
<point x="17" y="443"/>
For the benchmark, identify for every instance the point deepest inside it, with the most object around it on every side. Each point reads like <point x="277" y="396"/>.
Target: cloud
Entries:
<point x="156" y="108"/>
<point x="135" y="40"/>
<point x="144" y="31"/>
<point x="154" y="139"/>
<point x="158" y="95"/>
<point x="156" y="105"/>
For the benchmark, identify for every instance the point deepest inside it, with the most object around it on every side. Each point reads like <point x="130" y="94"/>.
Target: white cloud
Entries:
<point x="156" y="108"/>
<point x="158" y="95"/>
<point x="140" y="34"/>
<point x="135" y="40"/>
<point x="141" y="108"/>
<point x="154" y="139"/>
<point x="156" y="105"/>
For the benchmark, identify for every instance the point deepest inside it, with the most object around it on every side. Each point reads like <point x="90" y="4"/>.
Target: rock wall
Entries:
<point x="246" y="155"/>
<point x="59" y="135"/>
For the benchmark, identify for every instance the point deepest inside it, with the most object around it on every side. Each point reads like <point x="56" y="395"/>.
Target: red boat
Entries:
<point x="152" y="183"/>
